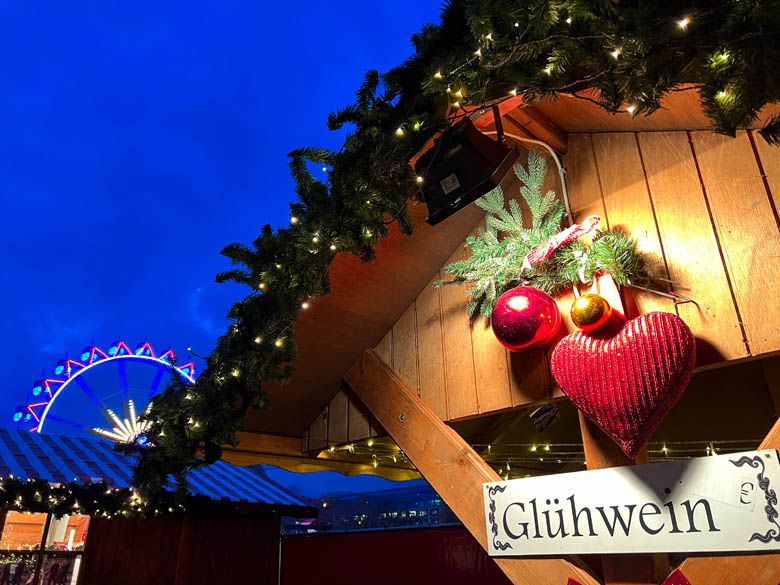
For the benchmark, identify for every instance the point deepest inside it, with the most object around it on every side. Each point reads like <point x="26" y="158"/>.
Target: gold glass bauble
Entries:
<point x="590" y="312"/>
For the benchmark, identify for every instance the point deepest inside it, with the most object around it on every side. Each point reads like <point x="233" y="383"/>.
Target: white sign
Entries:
<point x="708" y="504"/>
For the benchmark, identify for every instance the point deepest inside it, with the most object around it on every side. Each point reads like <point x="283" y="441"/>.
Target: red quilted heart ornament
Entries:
<point x="626" y="382"/>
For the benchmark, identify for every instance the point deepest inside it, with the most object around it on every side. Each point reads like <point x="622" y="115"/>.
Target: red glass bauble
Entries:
<point x="525" y="317"/>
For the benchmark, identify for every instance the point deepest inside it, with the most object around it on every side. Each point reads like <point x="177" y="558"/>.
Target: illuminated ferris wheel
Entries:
<point x="103" y="393"/>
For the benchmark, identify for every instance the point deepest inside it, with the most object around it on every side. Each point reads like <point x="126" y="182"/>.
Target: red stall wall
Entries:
<point x="447" y="554"/>
<point x="209" y="550"/>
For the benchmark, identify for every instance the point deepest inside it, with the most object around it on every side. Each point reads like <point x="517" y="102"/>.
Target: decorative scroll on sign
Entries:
<point x="708" y="504"/>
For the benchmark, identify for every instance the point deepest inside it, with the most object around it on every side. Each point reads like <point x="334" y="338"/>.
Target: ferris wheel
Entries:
<point x="103" y="393"/>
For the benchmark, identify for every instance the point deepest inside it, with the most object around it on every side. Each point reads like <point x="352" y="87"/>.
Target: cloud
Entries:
<point x="58" y="336"/>
<point x="199" y="314"/>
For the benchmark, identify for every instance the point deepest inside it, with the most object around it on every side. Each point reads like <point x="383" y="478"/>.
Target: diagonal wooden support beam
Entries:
<point x="743" y="569"/>
<point x="449" y="464"/>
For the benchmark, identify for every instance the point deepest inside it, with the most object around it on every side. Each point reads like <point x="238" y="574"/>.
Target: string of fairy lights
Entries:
<point x="515" y="460"/>
<point x="495" y="58"/>
<point x="552" y="72"/>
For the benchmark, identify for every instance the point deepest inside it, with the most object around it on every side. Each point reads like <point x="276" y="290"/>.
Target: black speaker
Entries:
<point x="462" y="165"/>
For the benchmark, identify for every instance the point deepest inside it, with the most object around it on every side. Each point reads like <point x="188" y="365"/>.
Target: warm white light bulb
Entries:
<point x="304" y="305"/>
<point x="399" y="131"/>
<point x="683" y="23"/>
<point x="478" y="52"/>
<point x="513" y="92"/>
<point x="293" y="220"/>
<point x="631" y="109"/>
<point x="437" y="75"/>
<point x="615" y="53"/>
<point x="419" y="179"/>
<point x="278" y="343"/>
<point x="258" y="339"/>
<point x="568" y="20"/>
<point x="332" y="247"/>
<point x="548" y="70"/>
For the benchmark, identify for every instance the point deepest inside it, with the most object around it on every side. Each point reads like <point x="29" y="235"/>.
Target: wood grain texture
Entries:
<point x="690" y="246"/>
<point x="770" y="163"/>
<point x="405" y="348"/>
<point x="265" y="443"/>
<point x="582" y="181"/>
<point x="680" y="110"/>
<point x="433" y="387"/>
<point x="533" y="121"/>
<point x="318" y="431"/>
<point x="359" y="425"/>
<point x="449" y="464"/>
<point x="384" y="349"/>
<point x="628" y="206"/>
<point x="743" y="569"/>
<point x="338" y="413"/>
<point x="747" y="229"/>
<point x="529" y="377"/>
<point x="490" y="367"/>
<point x="458" y="355"/>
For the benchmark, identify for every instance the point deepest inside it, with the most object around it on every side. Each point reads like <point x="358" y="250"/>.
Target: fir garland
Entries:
<point x="93" y="499"/>
<point x="496" y="262"/>
<point x="631" y="53"/>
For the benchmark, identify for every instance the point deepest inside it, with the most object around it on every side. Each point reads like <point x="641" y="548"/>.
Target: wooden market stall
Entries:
<point x="232" y="536"/>
<point x="393" y="363"/>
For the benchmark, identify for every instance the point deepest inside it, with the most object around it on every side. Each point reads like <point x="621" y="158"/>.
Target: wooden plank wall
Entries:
<point x="703" y="210"/>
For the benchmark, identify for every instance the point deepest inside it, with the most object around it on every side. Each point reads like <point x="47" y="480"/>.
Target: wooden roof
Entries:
<point x="367" y="299"/>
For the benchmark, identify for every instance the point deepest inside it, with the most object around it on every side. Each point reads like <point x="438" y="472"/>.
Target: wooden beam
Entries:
<point x="540" y="126"/>
<point x="267" y="443"/>
<point x="448" y="463"/>
<point x="602" y="452"/>
<point x="743" y="569"/>
<point x="312" y="464"/>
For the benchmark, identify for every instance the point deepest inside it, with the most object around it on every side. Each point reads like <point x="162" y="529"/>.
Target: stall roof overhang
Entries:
<point x="60" y="459"/>
<point x="367" y="299"/>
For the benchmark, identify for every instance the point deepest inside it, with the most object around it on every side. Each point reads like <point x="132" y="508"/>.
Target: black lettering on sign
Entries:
<point x="576" y="516"/>
<point x="617" y="517"/>
<point x="655" y="512"/>
<point x="523" y="524"/>
<point x="707" y="510"/>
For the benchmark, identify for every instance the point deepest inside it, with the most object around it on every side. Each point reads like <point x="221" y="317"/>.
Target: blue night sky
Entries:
<point x="139" y="138"/>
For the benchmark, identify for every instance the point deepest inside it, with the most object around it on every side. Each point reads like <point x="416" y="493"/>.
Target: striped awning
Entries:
<point x="60" y="459"/>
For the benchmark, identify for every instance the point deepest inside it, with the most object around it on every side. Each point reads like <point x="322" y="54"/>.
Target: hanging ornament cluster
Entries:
<point x="541" y="258"/>
<point x="625" y="376"/>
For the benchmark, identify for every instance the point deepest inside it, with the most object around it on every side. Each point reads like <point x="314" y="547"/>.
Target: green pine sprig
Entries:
<point x="498" y="251"/>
